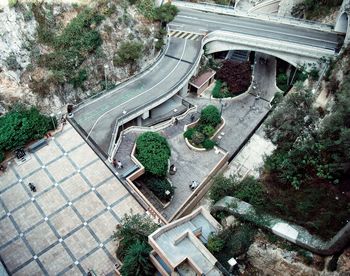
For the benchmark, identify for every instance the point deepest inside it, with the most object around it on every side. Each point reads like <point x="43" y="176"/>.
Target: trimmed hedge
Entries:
<point x="153" y="151"/>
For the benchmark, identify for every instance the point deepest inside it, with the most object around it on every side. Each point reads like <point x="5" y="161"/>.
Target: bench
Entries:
<point x="37" y="145"/>
<point x="129" y="171"/>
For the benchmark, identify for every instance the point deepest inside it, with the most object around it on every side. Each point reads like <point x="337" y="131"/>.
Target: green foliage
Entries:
<point x="146" y="8"/>
<point x="215" y="243"/>
<point x="216" y="92"/>
<point x="2" y="156"/>
<point x="12" y="63"/>
<point x="160" y="187"/>
<point x="136" y="261"/>
<point x="189" y="133"/>
<point x="72" y="46"/>
<point x="208" y="144"/>
<point x="281" y="81"/>
<point x="208" y="130"/>
<point x="128" y="53"/>
<point x="22" y="125"/>
<point x="79" y="78"/>
<point x="210" y="115"/>
<point x="312" y="9"/>
<point x="153" y="151"/>
<point x="277" y="99"/>
<point x="221" y="187"/>
<point x="12" y="3"/>
<point x="250" y="190"/>
<point x="165" y="13"/>
<point x="314" y="73"/>
<point x="134" y="229"/>
<point x="198" y="138"/>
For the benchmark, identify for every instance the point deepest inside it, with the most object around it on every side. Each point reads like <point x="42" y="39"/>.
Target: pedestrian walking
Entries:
<point x="193" y="185"/>
<point x="192" y="118"/>
<point x="176" y="121"/>
<point x="119" y="164"/>
<point x="114" y="163"/>
<point x="32" y="187"/>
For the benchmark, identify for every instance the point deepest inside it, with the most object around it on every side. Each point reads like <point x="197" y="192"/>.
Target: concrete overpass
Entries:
<point x="100" y="118"/>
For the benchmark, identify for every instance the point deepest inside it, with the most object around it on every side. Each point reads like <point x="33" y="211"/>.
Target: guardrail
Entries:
<point x="268" y="44"/>
<point x="215" y="8"/>
<point x="152" y="103"/>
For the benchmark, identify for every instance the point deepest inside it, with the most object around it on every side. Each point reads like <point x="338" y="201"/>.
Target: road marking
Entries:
<point x="253" y="28"/>
<point x="125" y="83"/>
<point x="185" y="35"/>
<point x="182" y="55"/>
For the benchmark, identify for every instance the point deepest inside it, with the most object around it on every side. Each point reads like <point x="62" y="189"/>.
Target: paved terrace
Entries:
<point x="191" y="165"/>
<point x="65" y="227"/>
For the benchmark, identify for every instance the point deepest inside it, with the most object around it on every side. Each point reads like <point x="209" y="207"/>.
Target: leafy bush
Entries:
<point x="250" y="190"/>
<point x="12" y="3"/>
<point x="128" y="52"/>
<point x="208" y="130"/>
<point x="12" y="62"/>
<point x="314" y="73"/>
<point x="215" y="243"/>
<point x="166" y="12"/>
<point x="22" y="125"/>
<point x="153" y="151"/>
<point x="2" y="156"/>
<point x="221" y="187"/>
<point x="78" y="39"/>
<point x="160" y="186"/>
<point x="134" y="229"/>
<point x="208" y="144"/>
<point x="189" y="133"/>
<point x="210" y="115"/>
<point x="281" y="81"/>
<point x="237" y="75"/>
<point x="198" y="138"/>
<point x="136" y="261"/>
<point x="146" y="8"/>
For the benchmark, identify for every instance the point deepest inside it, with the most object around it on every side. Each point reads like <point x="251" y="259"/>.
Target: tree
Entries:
<point x="293" y="117"/>
<point x="136" y="261"/>
<point x="166" y="13"/>
<point x="153" y="151"/>
<point x="221" y="187"/>
<point x="134" y="228"/>
<point x="210" y="115"/>
<point x="237" y="75"/>
<point x="128" y="53"/>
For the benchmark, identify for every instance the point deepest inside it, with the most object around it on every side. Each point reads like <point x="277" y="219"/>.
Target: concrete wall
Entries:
<point x="271" y="6"/>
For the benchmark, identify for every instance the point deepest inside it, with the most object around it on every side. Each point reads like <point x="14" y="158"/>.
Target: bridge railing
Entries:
<point x="209" y="7"/>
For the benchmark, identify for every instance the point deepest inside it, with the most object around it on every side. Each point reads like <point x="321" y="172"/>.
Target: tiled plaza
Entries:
<point x="65" y="227"/>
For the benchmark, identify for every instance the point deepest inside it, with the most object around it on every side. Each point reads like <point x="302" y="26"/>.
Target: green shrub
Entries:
<point x="216" y="92"/>
<point x="250" y="190"/>
<point x="136" y="261"/>
<point x="198" y="138"/>
<point x="134" y="228"/>
<point x="12" y="63"/>
<point x="160" y="186"/>
<point x="208" y="130"/>
<point x="153" y="151"/>
<point x="314" y="73"/>
<point x="2" y="156"/>
<point x="22" y="125"/>
<point x="166" y="12"/>
<point x="128" y="53"/>
<point x="215" y="243"/>
<point x="210" y="115"/>
<point x="12" y="3"/>
<point x="146" y="8"/>
<point x="79" y="78"/>
<point x="189" y="133"/>
<point x="221" y="187"/>
<point x="281" y="81"/>
<point x="208" y="144"/>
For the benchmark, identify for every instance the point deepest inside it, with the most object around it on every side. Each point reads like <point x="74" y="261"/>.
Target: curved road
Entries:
<point x="97" y="117"/>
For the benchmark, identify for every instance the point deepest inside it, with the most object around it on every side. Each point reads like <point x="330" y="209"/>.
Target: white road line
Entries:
<point x="247" y="27"/>
<point x="126" y="82"/>
<point x="99" y="118"/>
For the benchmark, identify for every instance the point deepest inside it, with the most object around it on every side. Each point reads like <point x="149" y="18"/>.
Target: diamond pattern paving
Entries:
<point x="65" y="227"/>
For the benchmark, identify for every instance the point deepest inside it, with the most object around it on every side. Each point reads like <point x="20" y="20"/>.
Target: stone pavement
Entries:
<point x="65" y="227"/>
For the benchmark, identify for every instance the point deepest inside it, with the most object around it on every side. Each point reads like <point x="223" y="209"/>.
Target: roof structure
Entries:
<point x="199" y="81"/>
<point x="180" y="244"/>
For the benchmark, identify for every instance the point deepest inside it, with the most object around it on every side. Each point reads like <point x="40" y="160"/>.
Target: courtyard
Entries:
<point x="65" y="227"/>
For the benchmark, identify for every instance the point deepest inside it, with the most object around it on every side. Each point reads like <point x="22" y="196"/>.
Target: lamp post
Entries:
<point x="52" y="115"/>
<point x="105" y="70"/>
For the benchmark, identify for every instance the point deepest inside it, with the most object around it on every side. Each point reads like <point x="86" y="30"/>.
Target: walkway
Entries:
<point x="66" y="226"/>
<point x="191" y="165"/>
